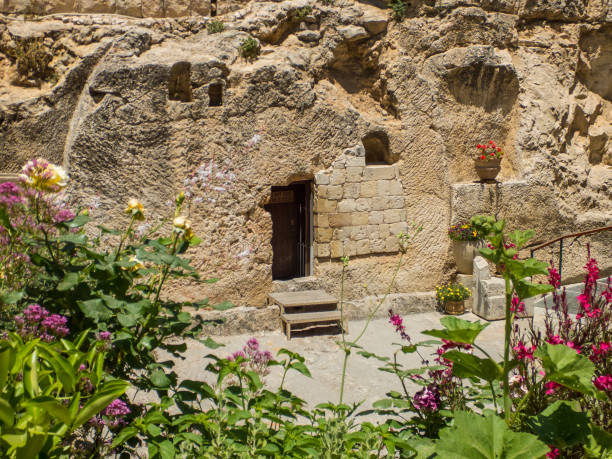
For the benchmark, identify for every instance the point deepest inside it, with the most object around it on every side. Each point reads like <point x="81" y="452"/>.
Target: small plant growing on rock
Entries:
<point x="249" y="48"/>
<point x="301" y="13"/>
<point x="215" y="26"/>
<point x="398" y="7"/>
<point x="32" y="59"/>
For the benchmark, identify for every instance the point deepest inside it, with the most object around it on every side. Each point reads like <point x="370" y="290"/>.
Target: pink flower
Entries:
<point x="523" y="353"/>
<point x="427" y="399"/>
<point x="551" y="386"/>
<point x="556" y="339"/>
<point x="554" y="278"/>
<point x="603" y="382"/>
<point x="517" y="306"/>
<point x="398" y="323"/>
<point x="573" y="346"/>
<point x="553" y="453"/>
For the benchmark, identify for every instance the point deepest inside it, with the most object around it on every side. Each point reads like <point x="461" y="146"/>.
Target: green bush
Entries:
<point x="398" y="8"/>
<point x="249" y="48"/>
<point x="32" y="59"/>
<point x="215" y="26"/>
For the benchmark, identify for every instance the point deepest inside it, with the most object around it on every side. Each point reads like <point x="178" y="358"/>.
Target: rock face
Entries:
<point x="380" y="116"/>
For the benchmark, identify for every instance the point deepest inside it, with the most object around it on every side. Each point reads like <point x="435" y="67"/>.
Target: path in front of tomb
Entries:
<point x="364" y="382"/>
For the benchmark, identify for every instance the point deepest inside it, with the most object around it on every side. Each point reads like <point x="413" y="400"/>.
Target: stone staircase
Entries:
<point x="305" y="310"/>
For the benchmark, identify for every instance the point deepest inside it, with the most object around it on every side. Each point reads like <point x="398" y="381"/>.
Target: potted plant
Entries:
<point x="453" y="297"/>
<point x="488" y="161"/>
<point x="465" y="242"/>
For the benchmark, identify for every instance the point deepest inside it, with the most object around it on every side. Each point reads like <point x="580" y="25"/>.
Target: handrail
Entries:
<point x="565" y="236"/>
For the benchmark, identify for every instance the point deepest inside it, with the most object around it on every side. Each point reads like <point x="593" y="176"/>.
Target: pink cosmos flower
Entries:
<point x="603" y="382"/>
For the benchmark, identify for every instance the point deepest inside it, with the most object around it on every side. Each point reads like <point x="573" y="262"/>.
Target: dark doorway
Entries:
<point x="215" y="95"/>
<point x="290" y="208"/>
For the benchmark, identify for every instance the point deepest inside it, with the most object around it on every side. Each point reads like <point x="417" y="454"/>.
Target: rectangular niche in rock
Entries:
<point x="215" y="95"/>
<point x="179" y="82"/>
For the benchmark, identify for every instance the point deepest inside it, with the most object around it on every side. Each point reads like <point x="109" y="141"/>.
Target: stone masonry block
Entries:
<point x="394" y="202"/>
<point x="354" y="174"/>
<point x="321" y="220"/>
<point x="394" y="216"/>
<point x="325" y="205"/>
<point x="322" y="191"/>
<point x="375" y="217"/>
<point x="338" y="220"/>
<point x="322" y="250"/>
<point x="351" y="190"/>
<point x="390" y="188"/>
<point x="400" y="227"/>
<point x="391" y="244"/>
<point x="379" y="173"/>
<point x="336" y="249"/>
<point x="342" y="234"/>
<point x="377" y="246"/>
<point x="347" y="205"/>
<point x="385" y="230"/>
<point x="321" y="178"/>
<point x="363" y="247"/>
<point x="468" y="281"/>
<point x="335" y="192"/>
<point x="350" y="248"/>
<point x="338" y="177"/>
<point x="378" y="203"/>
<point x="362" y="205"/>
<point x="374" y="232"/>
<point x="339" y="164"/>
<point x="359" y="232"/>
<point x="369" y="189"/>
<point x="323" y="234"/>
<point x="360" y="218"/>
<point x="491" y="299"/>
<point x="353" y="161"/>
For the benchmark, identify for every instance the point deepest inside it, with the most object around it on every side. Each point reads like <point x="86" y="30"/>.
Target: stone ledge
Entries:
<point x="244" y="319"/>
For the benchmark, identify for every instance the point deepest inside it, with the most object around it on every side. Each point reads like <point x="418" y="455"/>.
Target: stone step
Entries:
<point x="302" y="299"/>
<point x="312" y="317"/>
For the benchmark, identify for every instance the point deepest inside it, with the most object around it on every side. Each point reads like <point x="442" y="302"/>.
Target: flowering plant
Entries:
<point x="463" y="232"/>
<point x="488" y="152"/>
<point x="452" y="292"/>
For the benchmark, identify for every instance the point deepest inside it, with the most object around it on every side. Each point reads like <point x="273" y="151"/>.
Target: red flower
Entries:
<point x="491" y="142"/>
<point x="499" y="150"/>
<point x="479" y="146"/>
<point x="483" y="157"/>
<point x="492" y="154"/>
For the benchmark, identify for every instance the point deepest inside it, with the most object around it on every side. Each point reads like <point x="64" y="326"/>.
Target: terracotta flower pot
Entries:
<point x="455" y="307"/>
<point x="464" y="252"/>
<point x="487" y="169"/>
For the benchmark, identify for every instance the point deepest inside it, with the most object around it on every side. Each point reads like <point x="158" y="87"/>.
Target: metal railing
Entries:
<point x="560" y="240"/>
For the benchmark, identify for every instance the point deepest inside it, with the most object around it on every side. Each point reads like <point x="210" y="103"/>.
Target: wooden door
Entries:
<point x="289" y="207"/>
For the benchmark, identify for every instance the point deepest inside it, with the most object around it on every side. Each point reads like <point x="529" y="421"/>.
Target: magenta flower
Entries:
<point x="603" y="382"/>
<point x="554" y="278"/>
<point x="524" y="353"/>
<point x="553" y="453"/>
<point x="427" y="399"/>
<point x="517" y="306"/>
<point x="398" y="323"/>
<point x="37" y="323"/>
<point x="551" y="387"/>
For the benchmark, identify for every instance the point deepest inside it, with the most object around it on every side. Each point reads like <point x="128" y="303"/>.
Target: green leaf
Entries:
<point x="301" y="368"/>
<point x="599" y="443"/>
<point x="526" y="289"/>
<point x="159" y="379"/>
<point x="560" y="425"/>
<point x="468" y="365"/>
<point x="7" y="355"/>
<point x="95" y="309"/>
<point x="77" y="222"/>
<point x="5" y="220"/>
<point x="108" y="392"/>
<point x="485" y="437"/>
<point x="7" y="414"/>
<point x="565" y="366"/>
<point x="458" y="330"/>
<point x="520" y="269"/>
<point x="11" y="297"/>
<point x="69" y="281"/>
<point x="520" y="238"/>
<point x="211" y="343"/>
<point x="77" y="239"/>
<point x="223" y="306"/>
<point x="124" y="436"/>
<point x="53" y="407"/>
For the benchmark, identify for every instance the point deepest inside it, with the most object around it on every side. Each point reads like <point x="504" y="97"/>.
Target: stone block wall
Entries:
<point x="358" y="209"/>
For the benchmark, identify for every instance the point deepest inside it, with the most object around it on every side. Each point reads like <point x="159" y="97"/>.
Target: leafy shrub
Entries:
<point x="215" y="26"/>
<point x="249" y="48"/>
<point x="32" y="59"/>
<point x="301" y="13"/>
<point x="50" y="390"/>
<point x="398" y="8"/>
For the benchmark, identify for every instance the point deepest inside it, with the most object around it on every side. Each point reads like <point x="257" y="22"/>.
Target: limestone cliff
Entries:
<point x="147" y="107"/>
